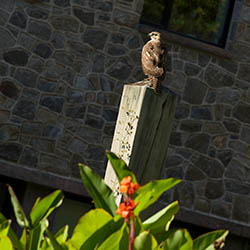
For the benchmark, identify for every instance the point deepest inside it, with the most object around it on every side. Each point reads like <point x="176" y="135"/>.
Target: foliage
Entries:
<point x="107" y="226"/>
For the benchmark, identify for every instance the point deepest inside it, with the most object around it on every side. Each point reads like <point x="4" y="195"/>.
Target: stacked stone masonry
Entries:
<point x="63" y="64"/>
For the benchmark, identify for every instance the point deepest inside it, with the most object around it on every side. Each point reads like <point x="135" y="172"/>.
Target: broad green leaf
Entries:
<point x="206" y="241"/>
<point x="159" y="223"/>
<point x="4" y="228"/>
<point x="11" y="234"/>
<point x="62" y="235"/>
<point x="24" y="238"/>
<point x="100" y="192"/>
<point x="36" y="235"/>
<point x="145" y="241"/>
<point x="120" y="167"/>
<point x="178" y="239"/>
<point x="113" y="241"/>
<point x="149" y="193"/>
<point x="5" y="243"/>
<point x="42" y="208"/>
<point x="55" y="244"/>
<point x="89" y="224"/>
<point x="19" y="213"/>
<point x="46" y="244"/>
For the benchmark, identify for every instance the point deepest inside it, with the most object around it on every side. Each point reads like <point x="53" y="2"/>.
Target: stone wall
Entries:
<point x="63" y="64"/>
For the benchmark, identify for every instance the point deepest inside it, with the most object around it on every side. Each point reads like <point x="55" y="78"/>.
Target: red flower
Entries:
<point x="126" y="209"/>
<point x="126" y="186"/>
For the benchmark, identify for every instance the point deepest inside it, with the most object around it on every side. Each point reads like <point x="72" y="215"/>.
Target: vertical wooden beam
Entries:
<point x="142" y="132"/>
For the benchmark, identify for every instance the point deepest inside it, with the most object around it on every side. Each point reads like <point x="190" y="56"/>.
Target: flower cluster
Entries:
<point x="127" y="188"/>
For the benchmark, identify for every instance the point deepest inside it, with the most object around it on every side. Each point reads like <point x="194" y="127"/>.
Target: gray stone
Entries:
<point x="65" y="23"/>
<point x="121" y="70"/>
<point x="58" y="40"/>
<point x="110" y="115"/>
<point x="85" y="17"/>
<point x="10" y="151"/>
<point x="222" y="209"/>
<point x="74" y="96"/>
<point x="16" y="57"/>
<point x="237" y="187"/>
<point x="95" y="37"/>
<point x="3" y="69"/>
<point x="3" y="17"/>
<point x="53" y="131"/>
<point x="54" y="103"/>
<point x="80" y="49"/>
<point x="94" y="82"/>
<point x="62" y="3"/>
<point x="185" y="194"/>
<point x="211" y="96"/>
<point x="232" y="125"/>
<point x="40" y="30"/>
<point x="244" y="73"/>
<point x="90" y="134"/>
<point x="241" y="111"/>
<point x="7" y="5"/>
<point x="229" y="96"/>
<point x="109" y="129"/>
<point x="107" y="99"/>
<point x="245" y="134"/>
<point x="176" y="172"/>
<point x="38" y="13"/>
<point x="177" y="80"/>
<point x="19" y="19"/>
<point x="76" y="112"/>
<point x="134" y="42"/>
<point x="173" y="161"/>
<point x="203" y="59"/>
<point x="190" y="126"/>
<point x="29" y="157"/>
<point x="74" y="169"/>
<point x="43" y="144"/>
<point x="46" y="85"/>
<point x="188" y="55"/>
<point x="9" y="89"/>
<point x="198" y="142"/>
<point x="124" y="18"/>
<point x="9" y="132"/>
<point x="63" y="58"/>
<point x="98" y="63"/>
<point x="117" y="38"/>
<point x="116" y="50"/>
<point x="26" y="41"/>
<point x="94" y="109"/>
<point x="191" y="69"/>
<point x="213" y="128"/>
<point x="214" y="189"/>
<point x="101" y="5"/>
<point x="135" y="55"/>
<point x="182" y="111"/>
<point x="90" y="97"/>
<point x="219" y="111"/>
<point x="94" y="122"/>
<point x="43" y="50"/>
<point x="184" y="153"/>
<point x="32" y="128"/>
<point x="176" y="139"/>
<point x="201" y="113"/>
<point x="225" y="156"/>
<point x="6" y="39"/>
<point x="25" y="109"/>
<point x="241" y="205"/>
<point x="36" y="64"/>
<point x="77" y="146"/>
<point x="228" y="65"/>
<point x="238" y="146"/>
<point x="195" y="91"/>
<point x="26" y="77"/>
<point x="202" y="205"/>
<point x="94" y="152"/>
<point x="194" y="174"/>
<point x="217" y="78"/>
<point x="53" y="70"/>
<point x="31" y="95"/>
<point x="237" y="171"/>
<point x="82" y="82"/>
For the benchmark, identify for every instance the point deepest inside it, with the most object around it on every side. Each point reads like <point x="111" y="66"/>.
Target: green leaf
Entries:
<point x="88" y="225"/>
<point x="5" y="243"/>
<point x="4" y="228"/>
<point x="149" y="193"/>
<point x="206" y="241"/>
<point x="159" y="223"/>
<point x="36" y="235"/>
<point x="24" y="238"/>
<point x="62" y="235"/>
<point x="178" y="239"/>
<point x="42" y="208"/>
<point x="100" y="192"/>
<point x="145" y="241"/>
<point x="19" y="213"/>
<point x="55" y="244"/>
<point x="11" y="234"/>
<point x="120" y="167"/>
<point x="113" y="241"/>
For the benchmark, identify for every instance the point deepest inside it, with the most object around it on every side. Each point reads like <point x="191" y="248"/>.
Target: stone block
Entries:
<point x="76" y="112"/>
<point x="6" y="39"/>
<point x="194" y="174"/>
<point x="185" y="194"/>
<point x="19" y="19"/>
<point x="201" y="113"/>
<point x="237" y="171"/>
<point x="9" y="132"/>
<point x="54" y="103"/>
<point x="95" y="37"/>
<point x="37" y="12"/>
<point x="214" y="189"/>
<point x="52" y="131"/>
<point x="110" y="115"/>
<point x="16" y="57"/>
<point x="241" y="111"/>
<point x="236" y="187"/>
<point x="176" y="172"/>
<point x="94" y="152"/>
<point x="26" y="77"/>
<point x="213" y="128"/>
<point x="29" y="157"/>
<point x="225" y="156"/>
<point x="222" y="209"/>
<point x="44" y="145"/>
<point x="241" y="204"/>
<point x="43" y="50"/>
<point x="125" y="18"/>
<point x="65" y="23"/>
<point x="86" y="17"/>
<point x="40" y="30"/>
<point x="232" y="125"/>
<point x="10" y="89"/>
<point x="244" y="73"/>
<point x="32" y="128"/>
<point x="10" y="151"/>
<point x="95" y="122"/>
<point x="25" y="109"/>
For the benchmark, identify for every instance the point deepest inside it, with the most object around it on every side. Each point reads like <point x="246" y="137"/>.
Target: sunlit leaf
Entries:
<point x="145" y="241"/>
<point x="5" y="243"/>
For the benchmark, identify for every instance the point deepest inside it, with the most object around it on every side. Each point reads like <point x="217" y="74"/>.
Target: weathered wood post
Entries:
<point x="142" y="132"/>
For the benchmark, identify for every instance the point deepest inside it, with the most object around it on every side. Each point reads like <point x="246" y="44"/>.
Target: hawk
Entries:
<point x="154" y="58"/>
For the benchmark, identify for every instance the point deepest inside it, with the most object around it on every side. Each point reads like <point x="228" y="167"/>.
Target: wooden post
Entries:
<point x="142" y="132"/>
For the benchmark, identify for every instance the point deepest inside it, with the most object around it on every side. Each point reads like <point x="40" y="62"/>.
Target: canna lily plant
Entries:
<point x="108" y="226"/>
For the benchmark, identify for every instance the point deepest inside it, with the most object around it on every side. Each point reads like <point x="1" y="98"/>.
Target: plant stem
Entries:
<point x="132" y="235"/>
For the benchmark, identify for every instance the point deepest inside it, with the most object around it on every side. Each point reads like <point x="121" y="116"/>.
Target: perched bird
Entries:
<point x="154" y="58"/>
